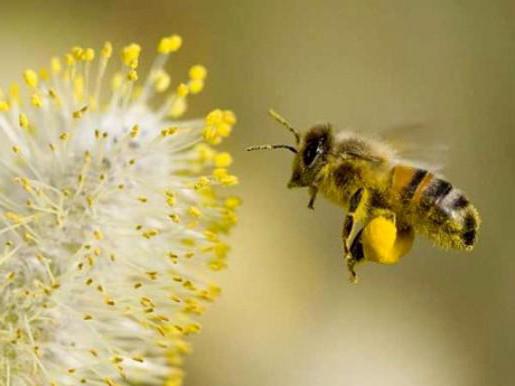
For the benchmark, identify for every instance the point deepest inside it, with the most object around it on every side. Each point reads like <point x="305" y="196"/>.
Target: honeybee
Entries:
<point x="389" y="198"/>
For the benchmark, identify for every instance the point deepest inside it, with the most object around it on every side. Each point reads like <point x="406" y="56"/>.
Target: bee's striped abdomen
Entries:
<point x="443" y="212"/>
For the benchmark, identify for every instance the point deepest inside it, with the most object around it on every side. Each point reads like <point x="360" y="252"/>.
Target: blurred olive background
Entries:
<point x="288" y="315"/>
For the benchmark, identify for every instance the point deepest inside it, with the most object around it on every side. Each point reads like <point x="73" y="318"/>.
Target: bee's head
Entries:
<point x="311" y="151"/>
<point x="312" y="156"/>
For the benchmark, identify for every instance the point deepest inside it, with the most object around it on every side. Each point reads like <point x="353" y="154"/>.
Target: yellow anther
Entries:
<point x="89" y="54"/>
<point x="149" y="233"/>
<point x="142" y="199"/>
<point x="107" y="50"/>
<point x="31" y="78"/>
<point x="24" y="182"/>
<point x="177" y="278"/>
<point x="90" y="200"/>
<point x="223" y="160"/>
<point x="55" y="65"/>
<point x="182" y="347"/>
<point x="224" y="177"/>
<point x="36" y="101"/>
<point x="174" y="217"/>
<point x="135" y="132"/>
<point x="69" y="59"/>
<point x="130" y="55"/>
<point x="13" y="217"/>
<point x="218" y="125"/>
<point x="210" y="293"/>
<point x="229" y="117"/>
<point x="214" y="117"/>
<point x="169" y="44"/>
<point x="196" y="86"/>
<point x="204" y="152"/>
<point x="169" y="131"/>
<point x="79" y="113"/>
<point x="232" y="202"/>
<point x="52" y="94"/>
<point x="161" y="81"/>
<point x="198" y="72"/>
<point x="182" y="90"/>
<point x="43" y="74"/>
<point x="170" y="200"/>
<point x="4" y="106"/>
<point x="194" y="211"/>
<point x="229" y="219"/>
<point x="98" y="235"/>
<point x="193" y="307"/>
<point x="221" y="250"/>
<point x="77" y="52"/>
<point x="178" y="107"/>
<point x="64" y="136"/>
<point x="23" y="121"/>
<point x="202" y="183"/>
<point x="230" y="180"/>
<point x="210" y="135"/>
<point x="146" y="302"/>
<point x="216" y="265"/>
<point x="109" y="382"/>
<point x="192" y="328"/>
<point x="223" y="129"/>
<point x="210" y="235"/>
<point x="132" y="75"/>
<point x="16" y="149"/>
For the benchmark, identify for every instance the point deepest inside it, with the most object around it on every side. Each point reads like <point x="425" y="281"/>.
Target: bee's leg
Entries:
<point x="313" y="190"/>
<point x="383" y="241"/>
<point x="356" y="256"/>
<point x="348" y="227"/>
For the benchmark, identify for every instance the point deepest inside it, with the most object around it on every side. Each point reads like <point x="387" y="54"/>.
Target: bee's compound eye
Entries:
<point x="310" y="153"/>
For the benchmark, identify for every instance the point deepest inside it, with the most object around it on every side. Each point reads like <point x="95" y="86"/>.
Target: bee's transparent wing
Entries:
<point x="417" y="144"/>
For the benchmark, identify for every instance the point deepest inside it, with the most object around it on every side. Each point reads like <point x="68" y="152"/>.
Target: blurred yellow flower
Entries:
<point x="111" y="217"/>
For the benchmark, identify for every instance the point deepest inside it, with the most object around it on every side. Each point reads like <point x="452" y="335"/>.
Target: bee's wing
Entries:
<point x="417" y="144"/>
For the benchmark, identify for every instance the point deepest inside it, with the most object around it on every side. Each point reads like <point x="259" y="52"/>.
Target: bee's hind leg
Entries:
<point x="356" y="256"/>
<point x="383" y="240"/>
<point x="356" y="202"/>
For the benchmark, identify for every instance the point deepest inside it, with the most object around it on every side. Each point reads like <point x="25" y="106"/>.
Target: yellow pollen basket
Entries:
<point x="382" y="243"/>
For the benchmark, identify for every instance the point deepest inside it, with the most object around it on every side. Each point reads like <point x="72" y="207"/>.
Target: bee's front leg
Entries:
<point x="313" y="191"/>
<point x="348" y="227"/>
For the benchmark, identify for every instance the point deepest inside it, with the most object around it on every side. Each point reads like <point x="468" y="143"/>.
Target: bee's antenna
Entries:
<point x="285" y="123"/>
<point x="271" y="147"/>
